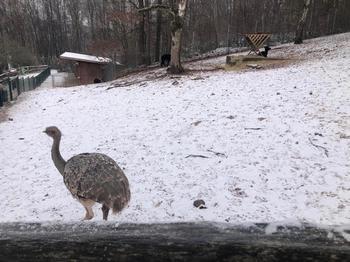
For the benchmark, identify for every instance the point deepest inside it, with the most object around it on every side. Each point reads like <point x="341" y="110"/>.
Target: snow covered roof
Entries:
<point x="85" y="58"/>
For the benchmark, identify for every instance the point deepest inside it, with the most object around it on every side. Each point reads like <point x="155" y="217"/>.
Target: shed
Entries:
<point x="91" y="69"/>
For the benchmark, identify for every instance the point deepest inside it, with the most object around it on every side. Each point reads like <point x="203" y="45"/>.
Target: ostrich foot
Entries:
<point x="87" y="217"/>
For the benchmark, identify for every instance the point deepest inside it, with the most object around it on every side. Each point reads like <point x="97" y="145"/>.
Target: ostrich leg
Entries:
<point x="105" y="211"/>
<point x="88" y="207"/>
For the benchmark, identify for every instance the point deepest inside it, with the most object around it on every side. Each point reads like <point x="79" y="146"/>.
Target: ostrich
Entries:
<point x="91" y="177"/>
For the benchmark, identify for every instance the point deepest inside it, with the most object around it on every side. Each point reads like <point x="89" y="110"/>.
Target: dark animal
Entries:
<point x="91" y="178"/>
<point x="97" y="80"/>
<point x="165" y="60"/>
<point x="264" y="53"/>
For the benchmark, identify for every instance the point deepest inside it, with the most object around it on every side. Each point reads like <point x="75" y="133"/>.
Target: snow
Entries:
<point x="29" y="75"/>
<point x="264" y="133"/>
<point x="85" y="58"/>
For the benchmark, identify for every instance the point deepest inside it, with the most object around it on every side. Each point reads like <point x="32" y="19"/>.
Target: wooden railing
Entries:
<point x="110" y="241"/>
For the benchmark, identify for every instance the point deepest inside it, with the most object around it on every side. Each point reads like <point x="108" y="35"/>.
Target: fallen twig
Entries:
<point x="252" y="128"/>
<point x="217" y="153"/>
<point x="201" y="156"/>
<point x="318" y="146"/>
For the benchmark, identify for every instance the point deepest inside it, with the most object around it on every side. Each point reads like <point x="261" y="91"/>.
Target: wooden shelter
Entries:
<point x="91" y="69"/>
<point x="256" y="41"/>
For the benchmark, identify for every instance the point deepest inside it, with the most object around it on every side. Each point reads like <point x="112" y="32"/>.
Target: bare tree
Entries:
<point x="301" y="24"/>
<point x="158" y="32"/>
<point x="49" y="27"/>
<point x="177" y="25"/>
<point x="142" y="35"/>
<point x="177" y="14"/>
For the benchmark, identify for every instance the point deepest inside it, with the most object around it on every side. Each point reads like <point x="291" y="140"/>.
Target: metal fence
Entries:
<point x="12" y="86"/>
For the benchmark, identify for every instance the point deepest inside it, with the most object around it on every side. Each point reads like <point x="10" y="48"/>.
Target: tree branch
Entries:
<point x="321" y="147"/>
<point x="200" y="156"/>
<point x="133" y="4"/>
<point x="165" y="8"/>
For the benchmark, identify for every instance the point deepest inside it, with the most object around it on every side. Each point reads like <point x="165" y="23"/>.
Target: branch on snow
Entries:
<point x="321" y="147"/>
<point x="200" y="156"/>
<point x="217" y="153"/>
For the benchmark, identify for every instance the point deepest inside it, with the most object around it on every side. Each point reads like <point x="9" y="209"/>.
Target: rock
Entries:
<point x="196" y="123"/>
<point x="199" y="203"/>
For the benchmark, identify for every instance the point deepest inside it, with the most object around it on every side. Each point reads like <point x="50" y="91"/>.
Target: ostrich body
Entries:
<point x="91" y="178"/>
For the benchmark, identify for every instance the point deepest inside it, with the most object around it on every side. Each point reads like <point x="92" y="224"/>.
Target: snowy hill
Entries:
<point x="257" y="146"/>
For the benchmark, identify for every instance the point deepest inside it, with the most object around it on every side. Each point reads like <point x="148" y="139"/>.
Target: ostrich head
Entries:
<point x="53" y="132"/>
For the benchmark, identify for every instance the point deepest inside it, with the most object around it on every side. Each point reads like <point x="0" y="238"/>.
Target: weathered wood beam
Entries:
<point x="169" y="242"/>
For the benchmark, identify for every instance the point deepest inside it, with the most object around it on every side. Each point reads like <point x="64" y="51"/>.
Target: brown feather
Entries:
<point x="97" y="177"/>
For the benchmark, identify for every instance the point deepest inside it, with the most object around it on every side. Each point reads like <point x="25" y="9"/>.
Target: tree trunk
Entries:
<point x="142" y="35"/>
<point x="158" y="33"/>
<point x="176" y="38"/>
<point x="335" y="6"/>
<point x="300" y="28"/>
<point x="149" y="35"/>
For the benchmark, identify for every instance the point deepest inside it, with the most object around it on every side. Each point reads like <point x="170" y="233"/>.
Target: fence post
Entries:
<point x="22" y="83"/>
<point x="10" y="89"/>
<point x="17" y="86"/>
<point x="1" y="96"/>
<point x="25" y="84"/>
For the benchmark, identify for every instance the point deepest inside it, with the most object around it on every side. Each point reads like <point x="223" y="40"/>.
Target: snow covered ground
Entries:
<point x="276" y="143"/>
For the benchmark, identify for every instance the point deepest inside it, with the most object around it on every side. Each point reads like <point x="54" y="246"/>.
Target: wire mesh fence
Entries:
<point x="12" y="86"/>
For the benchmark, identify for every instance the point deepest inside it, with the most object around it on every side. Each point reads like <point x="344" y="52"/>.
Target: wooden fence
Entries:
<point x="110" y="241"/>
<point x="12" y="86"/>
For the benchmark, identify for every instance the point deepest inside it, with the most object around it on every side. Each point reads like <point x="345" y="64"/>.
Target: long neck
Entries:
<point x="56" y="155"/>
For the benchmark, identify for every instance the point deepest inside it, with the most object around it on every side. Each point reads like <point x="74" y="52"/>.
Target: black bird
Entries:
<point x="264" y="53"/>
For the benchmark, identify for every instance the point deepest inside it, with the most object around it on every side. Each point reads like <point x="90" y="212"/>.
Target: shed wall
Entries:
<point x="88" y="72"/>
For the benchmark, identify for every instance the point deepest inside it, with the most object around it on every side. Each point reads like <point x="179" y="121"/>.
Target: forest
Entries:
<point x="38" y="31"/>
